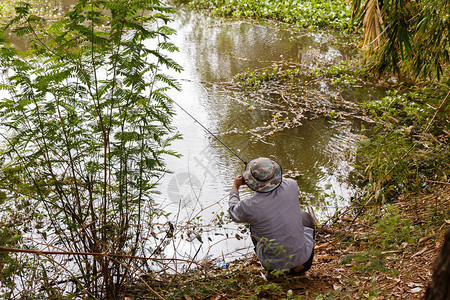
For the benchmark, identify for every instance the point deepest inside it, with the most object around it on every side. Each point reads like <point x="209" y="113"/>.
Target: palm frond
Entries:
<point x="373" y="25"/>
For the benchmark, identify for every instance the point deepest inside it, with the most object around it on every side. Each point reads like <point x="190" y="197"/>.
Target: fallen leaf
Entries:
<point x="395" y="279"/>
<point x="322" y="246"/>
<point x="263" y="276"/>
<point x="414" y="284"/>
<point x="415" y="290"/>
<point x="423" y="239"/>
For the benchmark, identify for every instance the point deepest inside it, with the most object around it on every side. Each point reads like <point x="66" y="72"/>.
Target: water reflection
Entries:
<point x="49" y="9"/>
<point x="226" y="48"/>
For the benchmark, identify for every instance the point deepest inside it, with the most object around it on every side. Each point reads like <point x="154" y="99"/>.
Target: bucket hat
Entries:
<point x="262" y="174"/>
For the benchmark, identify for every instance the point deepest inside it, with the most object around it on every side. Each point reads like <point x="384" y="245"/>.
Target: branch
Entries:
<point x="38" y="252"/>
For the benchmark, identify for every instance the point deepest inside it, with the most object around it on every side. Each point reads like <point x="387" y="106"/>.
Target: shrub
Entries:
<point x="84" y="127"/>
<point x="407" y="148"/>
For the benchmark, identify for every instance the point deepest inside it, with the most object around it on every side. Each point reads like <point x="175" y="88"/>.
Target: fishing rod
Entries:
<point x="207" y="130"/>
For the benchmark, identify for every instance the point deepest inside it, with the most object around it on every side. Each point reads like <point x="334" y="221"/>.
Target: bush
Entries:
<point x="84" y="128"/>
<point x="407" y="148"/>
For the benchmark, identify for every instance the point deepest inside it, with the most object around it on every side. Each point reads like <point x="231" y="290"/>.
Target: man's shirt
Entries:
<point x="276" y="225"/>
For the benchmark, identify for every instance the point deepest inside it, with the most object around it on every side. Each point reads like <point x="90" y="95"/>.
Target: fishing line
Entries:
<point x="207" y="130"/>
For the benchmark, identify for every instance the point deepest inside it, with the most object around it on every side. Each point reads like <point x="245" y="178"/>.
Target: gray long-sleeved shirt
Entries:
<point x="276" y="225"/>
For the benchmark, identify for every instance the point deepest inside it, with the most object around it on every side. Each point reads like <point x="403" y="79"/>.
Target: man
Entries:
<point x="283" y="235"/>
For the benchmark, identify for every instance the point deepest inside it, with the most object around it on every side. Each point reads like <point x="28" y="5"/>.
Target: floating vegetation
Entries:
<point x="291" y="94"/>
<point x="306" y="14"/>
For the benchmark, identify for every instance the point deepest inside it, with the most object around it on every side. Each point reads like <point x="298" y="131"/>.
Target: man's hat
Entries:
<point x="262" y="174"/>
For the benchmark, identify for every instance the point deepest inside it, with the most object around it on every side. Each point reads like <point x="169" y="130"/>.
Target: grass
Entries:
<point x="346" y="74"/>
<point x="242" y="279"/>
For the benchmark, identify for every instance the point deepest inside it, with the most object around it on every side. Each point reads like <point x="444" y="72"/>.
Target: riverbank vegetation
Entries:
<point x="409" y="40"/>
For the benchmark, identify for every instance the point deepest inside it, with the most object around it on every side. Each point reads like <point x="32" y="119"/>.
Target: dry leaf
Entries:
<point x="415" y="290"/>
<point x="414" y="284"/>
<point x="395" y="279"/>
<point x="322" y="246"/>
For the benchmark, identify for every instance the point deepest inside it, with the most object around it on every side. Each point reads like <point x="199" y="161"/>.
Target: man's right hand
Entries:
<point x="238" y="181"/>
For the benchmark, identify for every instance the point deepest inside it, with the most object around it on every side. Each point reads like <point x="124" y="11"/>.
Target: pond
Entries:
<point x="317" y="154"/>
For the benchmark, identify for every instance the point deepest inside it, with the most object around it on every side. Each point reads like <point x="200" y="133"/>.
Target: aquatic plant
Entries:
<point x="314" y="14"/>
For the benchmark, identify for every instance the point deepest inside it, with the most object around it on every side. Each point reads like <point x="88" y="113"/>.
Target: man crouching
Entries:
<point x="283" y="235"/>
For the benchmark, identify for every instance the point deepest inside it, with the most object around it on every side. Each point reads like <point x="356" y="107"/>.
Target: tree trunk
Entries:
<point x="439" y="288"/>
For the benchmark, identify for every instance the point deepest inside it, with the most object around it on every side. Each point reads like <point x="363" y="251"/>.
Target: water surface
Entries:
<point x="318" y="152"/>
